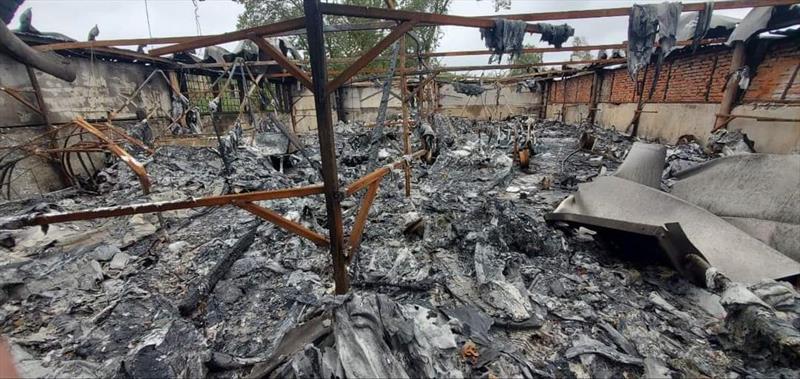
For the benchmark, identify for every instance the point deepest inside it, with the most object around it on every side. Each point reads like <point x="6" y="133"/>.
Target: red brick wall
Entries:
<point x="774" y="74"/>
<point x="693" y="78"/>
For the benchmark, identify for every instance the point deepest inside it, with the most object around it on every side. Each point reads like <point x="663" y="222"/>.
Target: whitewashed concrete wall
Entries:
<point x="674" y="120"/>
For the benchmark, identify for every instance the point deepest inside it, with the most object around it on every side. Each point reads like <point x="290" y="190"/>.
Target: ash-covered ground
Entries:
<point x="462" y="279"/>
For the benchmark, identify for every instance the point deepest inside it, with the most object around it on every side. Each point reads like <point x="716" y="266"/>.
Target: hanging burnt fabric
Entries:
<point x="651" y="29"/>
<point x="468" y="89"/>
<point x="703" y="22"/>
<point x="555" y="35"/>
<point x="504" y="37"/>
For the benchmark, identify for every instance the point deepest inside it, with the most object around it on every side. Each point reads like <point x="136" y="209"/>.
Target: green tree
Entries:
<point x="526" y="58"/>
<point x="580" y="55"/>
<point x="344" y="44"/>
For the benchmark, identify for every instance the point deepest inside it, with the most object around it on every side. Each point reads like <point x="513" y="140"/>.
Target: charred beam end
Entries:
<point x="26" y="55"/>
<point x="199" y="291"/>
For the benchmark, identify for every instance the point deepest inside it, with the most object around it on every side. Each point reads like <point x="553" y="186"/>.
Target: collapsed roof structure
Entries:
<point x="134" y="259"/>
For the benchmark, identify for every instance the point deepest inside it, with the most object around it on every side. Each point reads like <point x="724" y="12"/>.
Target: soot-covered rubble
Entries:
<point x="463" y="279"/>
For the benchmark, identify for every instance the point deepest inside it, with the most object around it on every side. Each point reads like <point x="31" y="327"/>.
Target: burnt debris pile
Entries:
<point x="463" y="279"/>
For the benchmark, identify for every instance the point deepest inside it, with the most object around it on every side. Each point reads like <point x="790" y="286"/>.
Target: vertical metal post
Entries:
<point x="731" y="87"/>
<point x="405" y="99"/>
<point x="595" y="92"/>
<point x="54" y="161"/>
<point x="322" y="103"/>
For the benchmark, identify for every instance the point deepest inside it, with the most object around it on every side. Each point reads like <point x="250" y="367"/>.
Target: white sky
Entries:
<point x="127" y="19"/>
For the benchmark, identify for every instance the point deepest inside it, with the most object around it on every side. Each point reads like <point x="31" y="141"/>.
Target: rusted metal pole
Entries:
<point x="596" y="80"/>
<point x="163" y="206"/>
<point x="379" y="173"/>
<point x="53" y="143"/>
<point x="354" y="242"/>
<point x="732" y="86"/>
<point x="316" y="50"/>
<point x="284" y="223"/>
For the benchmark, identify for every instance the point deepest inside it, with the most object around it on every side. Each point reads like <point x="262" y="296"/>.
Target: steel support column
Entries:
<point x="316" y="51"/>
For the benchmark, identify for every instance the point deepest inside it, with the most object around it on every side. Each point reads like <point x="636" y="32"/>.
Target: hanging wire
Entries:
<point x="197" y="17"/>
<point x="147" y="15"/>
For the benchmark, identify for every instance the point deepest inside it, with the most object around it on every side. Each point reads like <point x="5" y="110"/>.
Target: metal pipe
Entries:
<point x="26" y="55"/>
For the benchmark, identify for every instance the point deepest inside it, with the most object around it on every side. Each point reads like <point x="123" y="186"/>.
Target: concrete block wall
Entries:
<point x="362" y="101"/>
<point x="687" y="96"/>
<point x="489" y="105"/>
<point x="100" y="87"/>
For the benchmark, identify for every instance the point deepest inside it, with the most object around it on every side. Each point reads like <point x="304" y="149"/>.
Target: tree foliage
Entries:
<point x="580" y="55"/>
<point x="526" y="58"/>
<point x="344" y="44"/>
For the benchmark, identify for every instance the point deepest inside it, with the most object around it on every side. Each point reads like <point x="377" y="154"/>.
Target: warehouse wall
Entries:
<point x="687" y="95"/>
<point x="361" y="104"/>
<point x="100" y="86"/>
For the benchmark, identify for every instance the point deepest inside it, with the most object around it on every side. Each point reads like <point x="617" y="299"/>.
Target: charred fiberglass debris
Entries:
<point x="464" y="279"/>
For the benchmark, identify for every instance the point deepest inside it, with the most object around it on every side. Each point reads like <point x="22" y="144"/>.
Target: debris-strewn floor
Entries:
<point x="481" y="285"/>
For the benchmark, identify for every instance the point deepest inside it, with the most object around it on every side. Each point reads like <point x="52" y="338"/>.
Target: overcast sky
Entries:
<point x="127" y="19"/>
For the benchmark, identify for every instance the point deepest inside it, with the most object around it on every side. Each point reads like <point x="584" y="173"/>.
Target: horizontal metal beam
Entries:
<point x="398" y="15"/>
<point x="379" y="173"/>
<point x="503" y="66"/>
<point x="625" y="11"/>
<point x="365" y="59"/>
<point x="559" y="49"/>
<point x="374" y="25"/>
<point x="127" y="210"/>
<point x="115" y="42"/>
<point x="259" y="31"/>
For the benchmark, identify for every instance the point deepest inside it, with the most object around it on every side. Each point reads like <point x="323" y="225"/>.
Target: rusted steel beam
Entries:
<point x="625" y="11"/>
<point x="126" y="137"/>
<point x="137" y="167"/>
<point x="379" y="173"/>
<point x="284" y="62"/>
<point x="504" y="66"/>
<point x="327" y="145"/>
<point x="362" y="61"/>
<point x="259" y="31"/>
<point x="114" y="42"/>
<point x="127" y="210"/>
<point x="375" y="25"/>
<point x="354" y="242"/>
<point x="286" y="224"/>
<point x="110" y="51"/>
<point x="560" y="49"/>
<point x="18" y="96"/>
<point x="427" y="18"/>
